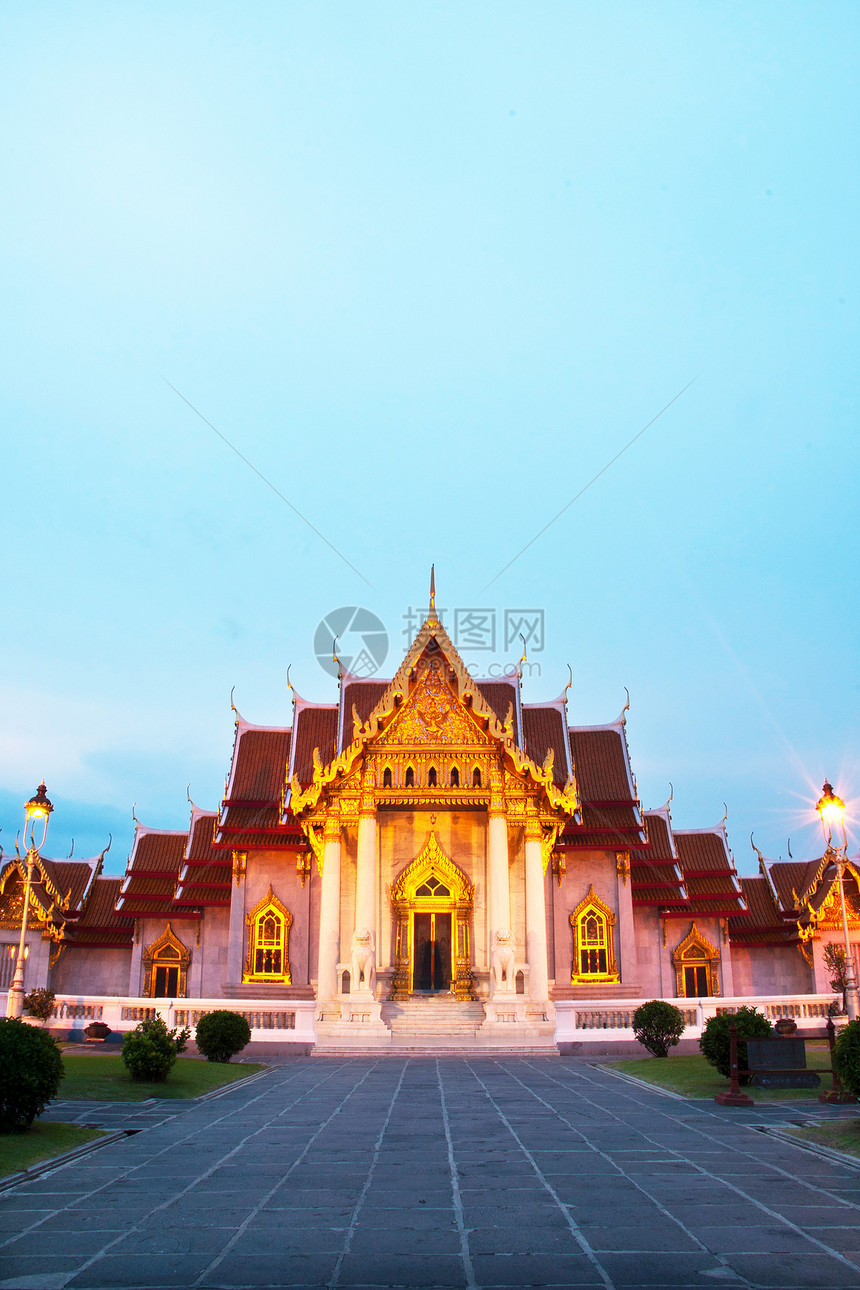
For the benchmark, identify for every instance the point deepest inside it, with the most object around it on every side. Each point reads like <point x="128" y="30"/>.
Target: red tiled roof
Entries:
<point x="600" y="764"/>
<point x="256" y="826"/>
<point x="202" y="836"/>
<point x="709" y="874"/>
<point x="260" y="763"/>
<point x="70" y="878"/>
<point x="702" y="851"/>
<point x="790" y="876"/>
<point x="764" y="925"/>
<point x="543" y="728"/>
<point x="152" y="874"/>
<point x="656" y="874"/>
<point x="206" y="877"/>
<point x="315" y="727"/>
<point x="99" y="923"/>
<point x="501" y="695"/>
<point x="364" y="696"/>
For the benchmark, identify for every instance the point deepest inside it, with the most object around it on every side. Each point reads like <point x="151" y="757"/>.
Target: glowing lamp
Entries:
<point x="39" y="806"/>
<point x="830" y="807"/>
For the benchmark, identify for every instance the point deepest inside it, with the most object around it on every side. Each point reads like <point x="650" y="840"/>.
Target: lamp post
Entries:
<point x="832" y="811"/>
<point x="37" y="809"/>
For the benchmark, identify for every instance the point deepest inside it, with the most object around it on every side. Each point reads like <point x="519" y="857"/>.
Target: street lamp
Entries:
<point x="831" y="808"/>
<point x="36" y="812"/>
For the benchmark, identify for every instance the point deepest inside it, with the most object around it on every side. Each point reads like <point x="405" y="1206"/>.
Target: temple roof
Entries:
<point x="315" y="727"/>
<point x="764" y="925"/>
<point x="656" y="873"/>
<point x="99" y="922"/>
<point x="709" y="872"/>
<point x="544" y="729"/>
<point x="206" y="876"/>
<point x="610" y="815"/>
<point x="152" y="872"/>
<point x="261" y="756"/>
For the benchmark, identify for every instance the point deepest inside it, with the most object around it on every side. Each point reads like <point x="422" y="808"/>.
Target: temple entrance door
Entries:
<point x="432" y="951"/>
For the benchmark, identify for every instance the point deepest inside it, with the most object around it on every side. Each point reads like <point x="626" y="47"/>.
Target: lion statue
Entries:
<point x="363" y="961"/>
<point x="504" y="980"/>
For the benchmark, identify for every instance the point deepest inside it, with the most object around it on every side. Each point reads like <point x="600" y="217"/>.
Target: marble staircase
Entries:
<point x="431" y="1025"/>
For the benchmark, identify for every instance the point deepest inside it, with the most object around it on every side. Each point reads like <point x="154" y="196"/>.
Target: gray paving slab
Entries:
<point x="474" y="1173"/>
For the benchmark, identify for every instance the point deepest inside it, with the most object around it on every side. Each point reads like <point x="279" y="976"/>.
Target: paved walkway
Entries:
<point x="474" y="1173"/>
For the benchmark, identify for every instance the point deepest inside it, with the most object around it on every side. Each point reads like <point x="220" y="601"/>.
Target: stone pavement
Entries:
<point x="457" y="1172"/>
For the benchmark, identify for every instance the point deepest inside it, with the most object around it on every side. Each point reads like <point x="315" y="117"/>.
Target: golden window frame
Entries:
<point x="269" y="906"/>
<point x="592" y="906"/>
<point x="167" y="951"/>
<point x="708" y="956"/>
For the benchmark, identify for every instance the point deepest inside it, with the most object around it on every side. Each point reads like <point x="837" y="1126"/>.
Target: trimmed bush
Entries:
<point x="222" y="1034"/>
<point x="658" y="1026"/>
<point x="715" y="1042"/>
<point x="150" y="1050"/>
<point x="40" y="1003"/>
<point x="846" y="1057"/>
<point x="31" y="1069"/>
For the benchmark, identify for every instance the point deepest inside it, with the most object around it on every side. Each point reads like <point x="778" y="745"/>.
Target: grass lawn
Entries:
<point x="692" y="1076"/>
<point x="21" y="1150"/>
<point x="841" y="1135"/>
<point x="103" y="1077"/>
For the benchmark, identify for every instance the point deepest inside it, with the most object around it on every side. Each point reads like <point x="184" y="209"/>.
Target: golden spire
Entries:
<point x="433" y="589"/>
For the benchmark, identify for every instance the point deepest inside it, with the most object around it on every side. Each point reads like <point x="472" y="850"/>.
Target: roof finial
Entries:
<point x="569" y="683"/>
<point x="626" y="707"/>
<point x="755" y="848"/>
<point x="433" y="589"/>
<point x="334" y="657"/>
<point x="71" y="849"/>
<point x="524" y="659"/>
<point x="188" y="794"/>
<point x="133" y="809"/>
<point x="725" y="815"/>
<point x="788" y="848"/>
<point x="289" y="683"/>
<point x="233" y="707"/>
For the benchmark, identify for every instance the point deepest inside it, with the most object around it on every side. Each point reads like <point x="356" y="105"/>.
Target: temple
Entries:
<point x="429" y="856"/>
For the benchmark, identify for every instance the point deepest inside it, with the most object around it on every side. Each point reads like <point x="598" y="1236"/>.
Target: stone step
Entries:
<point x="467" y="1052"/>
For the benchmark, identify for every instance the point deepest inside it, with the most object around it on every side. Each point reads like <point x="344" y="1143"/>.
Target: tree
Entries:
<point x="40" y="1003"/>
<point x="150" y="1050"/>
<point x="715" y="1041"/>
<point x="221" y="1034"/>
<point x="837" y="964"/>
<point x="31" y="1069"/>
<point x="658" y="1026"/>
<point x="846" y="1057"/>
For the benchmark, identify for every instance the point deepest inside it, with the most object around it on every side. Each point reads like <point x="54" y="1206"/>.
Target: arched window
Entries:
<point x="476" y="777"/>
<point x="268" y="941"/>
<point x="593" y="951"/>
<point x="410" y="777"/>
<point x="455" y="777"/>
<point x="431" y="777"/>
<point x="697" y="967"/>
<point x="165" y="964"/>
<point x="386" y="777"/>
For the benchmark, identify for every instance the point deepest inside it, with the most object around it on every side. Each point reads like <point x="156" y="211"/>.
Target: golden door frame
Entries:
<point x="432" y="864"/>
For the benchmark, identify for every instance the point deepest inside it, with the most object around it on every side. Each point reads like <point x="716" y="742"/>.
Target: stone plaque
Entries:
<point x="780" y="1063"/>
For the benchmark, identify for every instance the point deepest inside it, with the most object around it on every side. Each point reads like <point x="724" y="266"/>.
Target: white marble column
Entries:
<point x="498" y="872"/>
<point x="329" y="943"/>
<point x="236" y="933"/>
<point x="536" y="948"/>
<point x="627" y="964"/>
<point x="366" y="859"/>
<point x="728" y="982"/>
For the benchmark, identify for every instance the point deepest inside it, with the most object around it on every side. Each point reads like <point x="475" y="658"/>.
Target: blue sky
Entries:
<point x="429" y="268"/>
